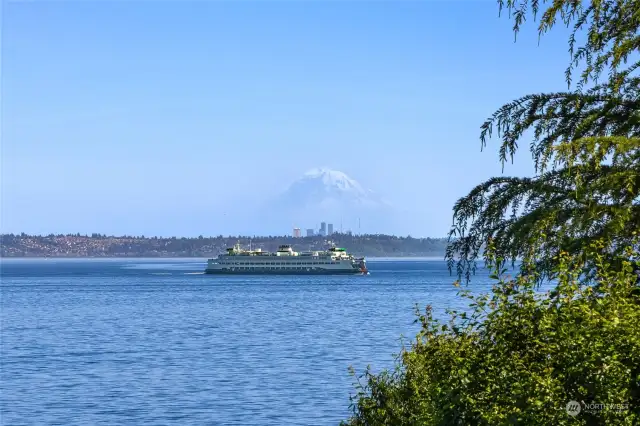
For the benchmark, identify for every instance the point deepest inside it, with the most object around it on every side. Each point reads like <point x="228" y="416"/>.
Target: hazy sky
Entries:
<point x="142" y="117"/>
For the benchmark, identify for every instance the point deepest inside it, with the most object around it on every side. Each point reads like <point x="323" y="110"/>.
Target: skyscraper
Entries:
<point x="309" y="232"/>
<point x="330" y="229"/>
<point x="323" y="228"/>
<point x="296" y="233"/>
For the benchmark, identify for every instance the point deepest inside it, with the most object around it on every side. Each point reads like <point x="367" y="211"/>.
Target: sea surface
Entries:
<point x="141" y="341"/>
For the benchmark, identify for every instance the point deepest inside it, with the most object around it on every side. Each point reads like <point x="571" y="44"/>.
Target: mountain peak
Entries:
<point x="326" y="195"/>
<point x="322" y="171"/>
<point x="334" y="179"/>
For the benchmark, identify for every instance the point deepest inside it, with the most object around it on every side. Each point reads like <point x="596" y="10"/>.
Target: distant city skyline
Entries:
<point x="167" y="118"/>
<point x="324" y="229"/>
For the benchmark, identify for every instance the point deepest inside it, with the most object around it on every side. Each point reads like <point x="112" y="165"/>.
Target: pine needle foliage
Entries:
<point x="585" y="145"/>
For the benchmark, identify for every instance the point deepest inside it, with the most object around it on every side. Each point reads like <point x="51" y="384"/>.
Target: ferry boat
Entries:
<point x="286" y="261"/>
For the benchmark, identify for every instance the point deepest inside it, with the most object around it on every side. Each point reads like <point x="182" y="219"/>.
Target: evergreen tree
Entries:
<point x="586" y="149"/>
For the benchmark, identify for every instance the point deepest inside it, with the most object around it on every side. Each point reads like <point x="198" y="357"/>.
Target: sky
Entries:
<point x="158" y="117"/>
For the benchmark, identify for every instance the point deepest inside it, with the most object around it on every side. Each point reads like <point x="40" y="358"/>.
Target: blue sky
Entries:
<point x="150" y="117"/>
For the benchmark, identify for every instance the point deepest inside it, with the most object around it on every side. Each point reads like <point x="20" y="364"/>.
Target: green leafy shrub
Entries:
<point x="518" y="356"/>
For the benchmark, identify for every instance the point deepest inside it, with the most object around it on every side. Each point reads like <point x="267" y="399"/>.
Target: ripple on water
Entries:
<point x="116" y="342"/>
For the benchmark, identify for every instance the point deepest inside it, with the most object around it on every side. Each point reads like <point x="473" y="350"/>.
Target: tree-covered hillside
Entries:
<point x="97" y="245"/>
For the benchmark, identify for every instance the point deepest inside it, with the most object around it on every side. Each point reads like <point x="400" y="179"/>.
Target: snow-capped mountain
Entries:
<point x="325" y="186"/>
<point x="325" y="195"/>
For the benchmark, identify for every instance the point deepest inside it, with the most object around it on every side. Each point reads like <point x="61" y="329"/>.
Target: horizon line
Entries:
<point x="142" y="236"/>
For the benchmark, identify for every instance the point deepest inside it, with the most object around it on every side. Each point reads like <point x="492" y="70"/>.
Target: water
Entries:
<point x="130" y="341"/>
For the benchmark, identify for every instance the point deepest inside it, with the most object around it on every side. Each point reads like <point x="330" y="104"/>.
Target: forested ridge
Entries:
<point x="98" y="245"/>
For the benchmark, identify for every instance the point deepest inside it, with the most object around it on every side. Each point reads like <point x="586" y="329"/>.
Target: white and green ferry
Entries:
<point x="285" y="261"/>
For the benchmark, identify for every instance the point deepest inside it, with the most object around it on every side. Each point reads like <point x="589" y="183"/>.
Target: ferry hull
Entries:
<point x="284" y="272"/>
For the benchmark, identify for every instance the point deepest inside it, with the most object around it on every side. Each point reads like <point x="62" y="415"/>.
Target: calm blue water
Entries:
<point x="156" y="342"/>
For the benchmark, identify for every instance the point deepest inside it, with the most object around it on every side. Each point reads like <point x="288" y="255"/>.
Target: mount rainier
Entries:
<point x="325" y="195"/>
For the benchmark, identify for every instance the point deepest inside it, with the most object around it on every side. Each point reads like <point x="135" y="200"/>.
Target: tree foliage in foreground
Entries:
<point x="585" y="145"/>
<point x="519" y="357"/>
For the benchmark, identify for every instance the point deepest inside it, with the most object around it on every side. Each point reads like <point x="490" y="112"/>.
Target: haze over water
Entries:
<point x="154" y="341"/>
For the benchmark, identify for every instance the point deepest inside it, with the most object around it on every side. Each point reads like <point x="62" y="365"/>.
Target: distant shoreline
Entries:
<point x="99" y="246"/>
<point x="187" y="257"/>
